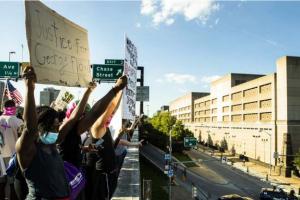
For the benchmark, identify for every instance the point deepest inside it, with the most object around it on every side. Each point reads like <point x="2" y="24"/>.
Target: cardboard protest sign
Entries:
<point x="63" y="99"/>
<point x="130" y="69"/>
<point x="59" y="50"/>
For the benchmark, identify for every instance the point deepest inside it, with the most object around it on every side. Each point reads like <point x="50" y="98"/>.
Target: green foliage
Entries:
<point x="157" y="131"/>
<point x="297" y="160"/>
<point x="209" y="141"/>
<point x="163" y="121"/>
<point x="224" y="144"/>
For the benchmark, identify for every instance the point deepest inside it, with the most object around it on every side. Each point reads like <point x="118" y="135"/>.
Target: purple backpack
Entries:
<point x="75" y="178"/>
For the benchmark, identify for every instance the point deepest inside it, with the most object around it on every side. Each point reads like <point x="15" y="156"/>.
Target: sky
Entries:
<point x="182" y="44"/>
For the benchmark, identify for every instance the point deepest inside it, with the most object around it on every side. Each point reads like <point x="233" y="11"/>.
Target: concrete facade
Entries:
<point x="48" y="95"/>
<point x="257" y="115"/>
<point x="183" y="109"/>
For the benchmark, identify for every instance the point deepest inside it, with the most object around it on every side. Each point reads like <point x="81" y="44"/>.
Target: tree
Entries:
<point x="224" y="145"/>
<point x="157" y="130"/>
<point x="297" y="160"/>
<point x="209" y="141"/>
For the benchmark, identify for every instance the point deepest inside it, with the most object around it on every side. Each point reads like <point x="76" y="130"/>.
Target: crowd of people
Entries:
<point x="62" y="155"/>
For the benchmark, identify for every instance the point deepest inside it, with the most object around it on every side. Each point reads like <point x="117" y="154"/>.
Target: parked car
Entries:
<point x="233" y="197"/>
<point x="271" y="193"/>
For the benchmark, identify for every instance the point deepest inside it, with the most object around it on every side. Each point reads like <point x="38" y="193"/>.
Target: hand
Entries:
<point x="92" y="85"/>
<point x="141" y="143"/>
<point x="121" y="83"/>
<point x="29" y="76"/>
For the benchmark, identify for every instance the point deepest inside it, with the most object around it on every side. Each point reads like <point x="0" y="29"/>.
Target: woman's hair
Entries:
<point x="9" y="103"/>
<point x="46" y="117"/>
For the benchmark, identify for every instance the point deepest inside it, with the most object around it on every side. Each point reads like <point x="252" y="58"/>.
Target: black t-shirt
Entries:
<point x="70" y="148"/>
<point x="104" y="159"/>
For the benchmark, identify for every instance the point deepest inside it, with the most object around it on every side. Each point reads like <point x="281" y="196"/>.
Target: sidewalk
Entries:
<point x="256" y="170"/>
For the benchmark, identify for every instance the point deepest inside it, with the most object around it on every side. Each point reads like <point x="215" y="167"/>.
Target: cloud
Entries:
<point x="148" y="7"/>
<point x="138" y="25"/>
<point x="159" y="80"/>
<point x="164" y="11"/>
<point x="217" y="21"/>
<point x="209" y="79"/>
<point x="180" y="78"/>
<point x="271" y="42"/>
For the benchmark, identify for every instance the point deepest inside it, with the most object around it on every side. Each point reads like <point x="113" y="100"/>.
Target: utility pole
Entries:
<point x="141" y="81"/>
<point x="170" y="164"/>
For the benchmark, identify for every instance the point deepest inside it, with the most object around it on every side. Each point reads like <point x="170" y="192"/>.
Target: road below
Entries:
<point x="212" y="178"/>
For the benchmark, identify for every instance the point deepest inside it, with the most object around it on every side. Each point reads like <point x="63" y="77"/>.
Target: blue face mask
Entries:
<point x="49" y="138"/>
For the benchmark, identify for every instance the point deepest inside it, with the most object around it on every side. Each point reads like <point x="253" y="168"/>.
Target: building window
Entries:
<point x="253" y="117"/>
<point x="251" y="93"/>
<point x="226" y="118"/>
<point x="236" y="108"/>
<point x="265" y="88"/>
<point x="266" y="103"/>
<point x="251" y="105"/>
<point x="225" y="109"/>
<point x="214" y="111"/>
<point x="214" y="101"/>
<point x="237" y="118"/>
<point x="266" y="116"/>
<point x="214" y="119"/>
<point x="237" y="96"/>
<point x="225" y="98"/>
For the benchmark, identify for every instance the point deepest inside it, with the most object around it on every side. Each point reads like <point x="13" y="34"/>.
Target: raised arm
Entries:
<point x="99" y="127"/>
<point x="100" y="106"/>
<point x="25" y="145"/>
<point x="67" y="125"/>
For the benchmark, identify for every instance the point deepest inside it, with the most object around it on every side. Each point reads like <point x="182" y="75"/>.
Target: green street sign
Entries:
<point x="107" y="72"/>
<point x="9" y="69"/>
<point x="114" y="62"/>
<point x="190" y="142"/>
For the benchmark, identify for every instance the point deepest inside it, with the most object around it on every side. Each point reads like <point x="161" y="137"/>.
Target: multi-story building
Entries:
<point x="182" y="108"/>
<point x="48" y="95"/>
<point x="257" y="115"/>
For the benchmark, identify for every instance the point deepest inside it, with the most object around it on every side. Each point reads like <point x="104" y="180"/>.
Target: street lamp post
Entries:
<point x="9" y="53"/>
<point x="264" y="141"/>
<point x="270" y="135"/>
<point x="170" y="163"/>
<point x="255" y="137"/>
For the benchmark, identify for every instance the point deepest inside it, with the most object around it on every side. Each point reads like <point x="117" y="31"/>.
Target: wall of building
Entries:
<point x="182" y="108"/>
<point x="243" y="115"/>
<point x="288" y="107"/>
<point x="48" y="95"/>
<point x="257" y="115"/>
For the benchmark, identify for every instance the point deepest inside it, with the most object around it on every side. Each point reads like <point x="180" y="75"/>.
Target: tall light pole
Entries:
<point x="255" y="137"/>
<point x="170" y="163"/>
<point x="9" y="53"/>
<point x="270" y="135"/>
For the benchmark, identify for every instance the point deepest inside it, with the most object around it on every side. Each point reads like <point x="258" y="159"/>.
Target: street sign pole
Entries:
<point x="170" y="163"/>
<point x="141" y="80"/>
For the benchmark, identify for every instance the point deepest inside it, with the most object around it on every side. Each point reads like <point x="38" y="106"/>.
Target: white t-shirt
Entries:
<point x="8" y="127"/>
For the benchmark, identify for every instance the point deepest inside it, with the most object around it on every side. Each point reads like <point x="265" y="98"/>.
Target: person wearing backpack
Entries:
<point x="36" y="150"/>
<point x="9" y="125"/>
<point x="70" y="147"/>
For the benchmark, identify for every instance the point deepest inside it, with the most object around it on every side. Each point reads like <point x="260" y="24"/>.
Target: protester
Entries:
<point x="36" y="148"/>
<point x="80" y="122"/>
<point x="101" y="168"/>
<point x="9" y="125"/>
<point x="292" y="196"/>
<point x="124" y="140"/>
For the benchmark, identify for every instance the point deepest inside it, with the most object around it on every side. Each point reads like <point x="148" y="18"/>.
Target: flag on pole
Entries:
<point x="12" y="93"/>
